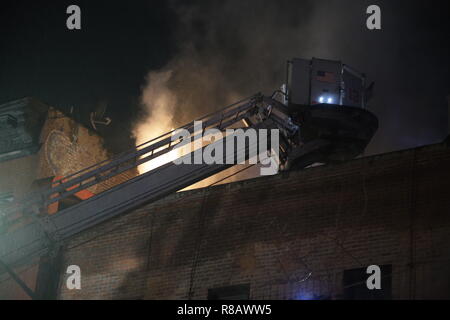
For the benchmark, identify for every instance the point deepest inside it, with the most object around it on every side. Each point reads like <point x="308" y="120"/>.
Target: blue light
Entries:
<point x="304" y="296"/>
<point x="328" y="100"/>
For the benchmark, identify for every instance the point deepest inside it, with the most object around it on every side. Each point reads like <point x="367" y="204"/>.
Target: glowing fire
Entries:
<point x="159" y="161"/>
<point x="160" y="103"/>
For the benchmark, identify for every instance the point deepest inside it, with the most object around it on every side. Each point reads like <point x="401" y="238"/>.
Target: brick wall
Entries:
<point x="289" y="236"/>
<point x="66" y="147"/>
<point x="9" y="289"/>
<point x="17" y="175"/>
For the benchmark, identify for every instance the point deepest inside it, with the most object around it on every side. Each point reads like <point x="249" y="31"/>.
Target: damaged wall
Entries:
<point x="65" y="147"/>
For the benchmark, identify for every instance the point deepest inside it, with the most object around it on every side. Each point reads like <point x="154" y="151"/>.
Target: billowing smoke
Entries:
<point x="160" y="103"/>
<point x="228" y="50"/>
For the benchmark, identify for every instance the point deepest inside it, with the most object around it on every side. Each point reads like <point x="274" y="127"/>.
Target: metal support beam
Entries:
<point x="19" y="281"/>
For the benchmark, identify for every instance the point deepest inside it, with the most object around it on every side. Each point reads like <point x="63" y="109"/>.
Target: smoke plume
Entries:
<point x="232" y="49"/>
<point x="226" y="51"/>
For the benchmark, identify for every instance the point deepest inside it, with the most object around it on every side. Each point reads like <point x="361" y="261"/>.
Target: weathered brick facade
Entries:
<point x="289" y="236"/>
<point x="64" y="147"/>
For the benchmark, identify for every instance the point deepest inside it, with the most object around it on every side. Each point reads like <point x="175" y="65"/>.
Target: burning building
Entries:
<point x="306" y="234"/>
<point x="311" y="235"/>
<point x="309" y="232"/>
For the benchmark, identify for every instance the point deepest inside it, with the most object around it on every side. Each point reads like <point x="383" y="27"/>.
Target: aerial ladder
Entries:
<point x="323" y="128"/>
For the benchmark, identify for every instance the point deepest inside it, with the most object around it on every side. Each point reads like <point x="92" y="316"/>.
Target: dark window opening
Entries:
<point x="355" y="286"/>
<point x="239" y="292"/>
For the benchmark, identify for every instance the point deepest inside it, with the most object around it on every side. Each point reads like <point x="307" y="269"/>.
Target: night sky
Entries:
<point x="240" y="47"/>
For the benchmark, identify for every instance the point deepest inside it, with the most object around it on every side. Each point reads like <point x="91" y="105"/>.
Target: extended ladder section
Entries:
<point x="323" y="133"/>
<point x="43" y="232"/>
